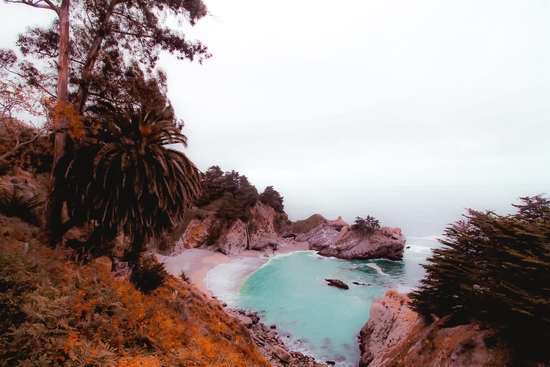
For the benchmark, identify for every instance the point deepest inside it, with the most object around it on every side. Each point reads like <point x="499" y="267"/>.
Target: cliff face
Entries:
<point x="397" y="336"/>
<point x="262" y="227"/>
<point x="329" y="238"/>
<point x="209" y="232"/>
<point x="335" y="238"/>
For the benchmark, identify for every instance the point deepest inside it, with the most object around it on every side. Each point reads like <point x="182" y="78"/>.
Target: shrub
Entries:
<point x="368" y="225"/>
<point x="185" y="278"/>
<point x="148" y="274"/>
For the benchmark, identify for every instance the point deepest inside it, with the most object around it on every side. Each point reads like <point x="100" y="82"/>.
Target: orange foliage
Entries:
<point x="58" y="111"/>
<point x="104" y="320"/>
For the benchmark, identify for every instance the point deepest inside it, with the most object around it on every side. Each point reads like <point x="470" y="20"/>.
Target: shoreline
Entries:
<point x="196" y="263"/>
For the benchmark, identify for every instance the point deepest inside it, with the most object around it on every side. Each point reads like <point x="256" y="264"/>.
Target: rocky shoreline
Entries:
<point x="264" y="232"/>
<point x="263" y="235"/>
<point x="269" y="342"/>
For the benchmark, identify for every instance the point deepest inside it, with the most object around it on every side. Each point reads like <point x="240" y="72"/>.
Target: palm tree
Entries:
<point x="129" y="179"/>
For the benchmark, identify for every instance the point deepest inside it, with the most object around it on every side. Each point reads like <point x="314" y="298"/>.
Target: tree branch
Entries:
<point x="37" y="4"/>
<point x="19" y="145"/>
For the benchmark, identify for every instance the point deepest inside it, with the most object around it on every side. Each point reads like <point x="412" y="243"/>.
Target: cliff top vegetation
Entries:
<point x="230" y="195"/>
<point x="495" y="270"/>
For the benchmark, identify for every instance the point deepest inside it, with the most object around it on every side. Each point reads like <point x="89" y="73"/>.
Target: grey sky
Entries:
<point x="304" y="93"/>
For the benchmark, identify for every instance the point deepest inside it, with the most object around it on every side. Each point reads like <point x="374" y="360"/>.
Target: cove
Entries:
<point x="290" y="291"/>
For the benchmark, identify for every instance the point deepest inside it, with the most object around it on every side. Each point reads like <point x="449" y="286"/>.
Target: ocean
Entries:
<point x="290" y="290"/>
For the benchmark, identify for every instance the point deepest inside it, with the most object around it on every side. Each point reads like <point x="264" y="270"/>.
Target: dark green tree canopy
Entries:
<point x="495" y="270"/>
<point x="271" y="197"/>
<point x="366" y="225"/>
<point x="229" y="194"/>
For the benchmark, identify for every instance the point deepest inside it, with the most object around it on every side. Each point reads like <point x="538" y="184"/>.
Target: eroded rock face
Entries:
<point x="196" y="234"/>
<point x="397" y="336"/>
<point x="335" y="238"/>
<point x="234" y="240"/>
<point x="214" y="234"/>
<point x="390" y="321"/>
<point x="262" y="227"/>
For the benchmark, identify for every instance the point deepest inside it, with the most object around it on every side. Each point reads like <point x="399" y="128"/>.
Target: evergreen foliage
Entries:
<point x="83" y="57"/>
<point x="271" y="197"/>
<point x="495" y="270"/>
<point x="228" y="194"/>
<point x="366" y="225"/>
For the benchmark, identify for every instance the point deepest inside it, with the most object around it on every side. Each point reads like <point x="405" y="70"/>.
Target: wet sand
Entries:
<point x="196" y="263"/>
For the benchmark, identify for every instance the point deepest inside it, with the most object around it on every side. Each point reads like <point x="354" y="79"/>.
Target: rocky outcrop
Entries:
<point x="262" y="227"/>
<point x="196" y="233"/>
<point x="269" y="342"/>
<point x="215" y="234"/>
<point x="329" y="238"/>
<point x="337" y="283"/>
<point x="397" y="336"/>
<point x="336" y="238"/>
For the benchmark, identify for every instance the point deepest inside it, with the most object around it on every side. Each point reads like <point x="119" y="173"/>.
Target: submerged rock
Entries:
<point x="337" y="283"/>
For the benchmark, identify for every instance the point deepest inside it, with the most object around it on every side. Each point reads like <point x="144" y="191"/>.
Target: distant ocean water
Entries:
<point x="290" y="290"/>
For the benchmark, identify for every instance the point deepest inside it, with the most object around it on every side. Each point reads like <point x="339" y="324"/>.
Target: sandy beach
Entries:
<point x="196" y="263"/>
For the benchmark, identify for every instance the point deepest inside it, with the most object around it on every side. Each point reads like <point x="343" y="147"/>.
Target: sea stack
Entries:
<point x="336" y="238"/>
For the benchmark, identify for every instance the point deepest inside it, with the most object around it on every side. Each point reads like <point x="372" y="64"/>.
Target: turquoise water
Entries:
<point x="291" y="292"/>
<point x="324" y="321"/>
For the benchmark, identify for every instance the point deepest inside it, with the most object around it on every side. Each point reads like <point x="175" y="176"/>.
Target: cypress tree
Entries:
<point x="494" y="270"/>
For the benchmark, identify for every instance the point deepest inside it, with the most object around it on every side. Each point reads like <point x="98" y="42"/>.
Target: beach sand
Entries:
<point x="196" y="263"/>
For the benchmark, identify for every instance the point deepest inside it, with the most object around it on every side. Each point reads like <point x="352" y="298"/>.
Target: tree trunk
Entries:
<point x="52" y="217"/>
<point x="91" y="58"/>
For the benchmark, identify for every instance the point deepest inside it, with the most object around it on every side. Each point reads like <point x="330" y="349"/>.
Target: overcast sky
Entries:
<point x="317" y="93"/>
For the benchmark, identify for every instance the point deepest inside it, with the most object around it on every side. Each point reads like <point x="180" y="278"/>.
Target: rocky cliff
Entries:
<point x="212" y="233"/>
<point x="336" y="238"/>
<point x="328" y="237"/>
<point x="397" y="336"/>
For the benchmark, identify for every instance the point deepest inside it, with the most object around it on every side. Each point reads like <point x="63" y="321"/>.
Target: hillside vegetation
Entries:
<point x="57" y="313"/>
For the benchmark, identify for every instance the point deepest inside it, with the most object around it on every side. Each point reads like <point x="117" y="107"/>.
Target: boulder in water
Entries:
<point x="337" y="283"/>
